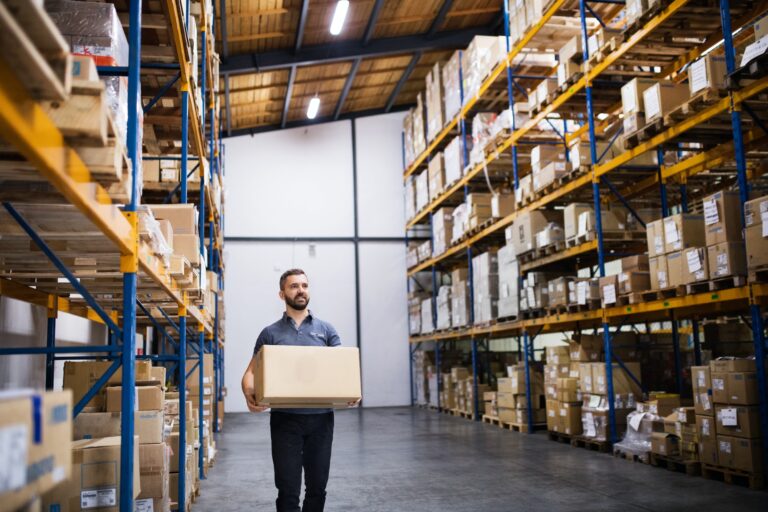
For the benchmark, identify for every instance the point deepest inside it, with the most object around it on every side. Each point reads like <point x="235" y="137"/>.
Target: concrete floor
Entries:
<point x="409" y="459"/>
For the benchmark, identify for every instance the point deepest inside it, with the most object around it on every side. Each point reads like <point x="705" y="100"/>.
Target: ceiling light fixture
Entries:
<point x="339" y="15"/>
<point x="314" y="106"/>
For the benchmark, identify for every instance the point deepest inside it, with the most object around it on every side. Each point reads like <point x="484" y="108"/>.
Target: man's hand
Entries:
<point x="250" y="399"/>
<point x="354" y="403"/>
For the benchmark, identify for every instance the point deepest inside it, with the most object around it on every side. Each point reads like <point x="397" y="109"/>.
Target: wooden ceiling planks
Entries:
<point x="319" y="19"/>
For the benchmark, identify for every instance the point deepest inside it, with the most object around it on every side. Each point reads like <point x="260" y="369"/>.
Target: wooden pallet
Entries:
<point x="465" y="414"/>
<point x="689" y="467"/>
<point x="723" y="283"/>
<point x="591" y="305"/>
<point x="664" y="293"/>
<point x="758" y="275"/>
<point x="631" y="456"/>
<point x="696" y="103"/>
<point x="591" y="444"/>
<point x="522" y="427"/>
<point x="491" y="420"/>
<point x="559" y="437"/>
<point x="533" y="313"/>
<point x="560" y="309"/>
<point x="628" y="299"/>
<point x="733" y="476"/>
<point x="650" y="129"/>
<point x="694" y="288"/>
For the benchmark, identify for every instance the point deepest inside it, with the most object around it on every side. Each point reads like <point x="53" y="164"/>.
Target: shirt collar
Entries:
<point x="288" y="319"/>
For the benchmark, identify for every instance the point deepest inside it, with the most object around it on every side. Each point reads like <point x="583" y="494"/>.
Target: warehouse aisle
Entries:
<point x="407" y="459"/>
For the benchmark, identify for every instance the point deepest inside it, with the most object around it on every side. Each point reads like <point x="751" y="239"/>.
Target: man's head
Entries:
<point x="294" y="289"/>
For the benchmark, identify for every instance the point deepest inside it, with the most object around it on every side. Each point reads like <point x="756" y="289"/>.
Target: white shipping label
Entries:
<point x="623" y="277"/>
<point x="729" y="417"/>
<point x="701" y="380"/>
<point x="722" y="263"/>
<point x="583" y="223"/>
<point x="658" y="244"/>
<point x="694" y="263"/>
<point x="635" y="421"/>
<point x="581" y="293"/>
<point x="718" y="384"/>
<point x="551" y="413"/>
<point x="145" y="505"/>
<point x="765" y="229"/>
<point x="670" y="231"/>
<point x="697" y="75"/>
<point x="725" y="446"/>
<point x="609" y="292"/>
<point x="13" y="457"/>
<point x="705" y="429"/>
<point x="710" y="212"/>
<point x="628" y="103"/>
<point x="98" y="498"/>
<point x="750" y="52"/>
<point x="662" y="276"/>
<point x="594" y="401"/>
<point x="681" y="416"/>
<point x="651" y="101"/>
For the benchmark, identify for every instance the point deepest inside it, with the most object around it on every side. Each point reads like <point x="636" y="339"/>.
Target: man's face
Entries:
<point x="295" y="292"/>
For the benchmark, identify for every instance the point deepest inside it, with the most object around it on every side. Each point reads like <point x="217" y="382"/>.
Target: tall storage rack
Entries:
<point x="593" y="183"/>
<point x="84" y="223"/>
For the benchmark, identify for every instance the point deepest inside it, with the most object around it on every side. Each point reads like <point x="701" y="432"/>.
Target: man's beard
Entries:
<point x="298" y="306"/>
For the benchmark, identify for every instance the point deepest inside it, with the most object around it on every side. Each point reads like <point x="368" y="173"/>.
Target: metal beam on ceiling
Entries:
<point x="223" y="29"/>
<point x="347" y="87"/>
<point x="372" y="21"/>
<point x="346" y="51"/>
<point x="319" y="120"/>
<point x="440" y="18"/>
<point x="302" y="26"/>
<point x="400" y="83"/>
<point x="291" y="78"/>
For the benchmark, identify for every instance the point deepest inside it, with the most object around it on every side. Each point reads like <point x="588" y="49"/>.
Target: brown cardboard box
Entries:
<point x="654" y="232"/>
<point x="95" y="480"/>
<point x="695" y="265"/>
<point x="634" y="281"/>
<point x="702" y="390"/>
<point x="662" y="97"/>
<point x="740" y="453"/>
<point x="150" y="170"/>
<point x="166" y="228"/>
<point x="608" y="290"/>
<point x="553" y="415"/>
<point x="148" y="425"/>
<point x="738" y="421"/>
<point x="187" y="246"/>
<point x="675" y="268"/>
<point x="585" y="377"/>
<point x="183" y="217"/>
<point x="158" y="375"/>
<point x="557" y="354"/>
<point x="587" y="348"/>
<point x="502" y="204"/>
<point x="719" y="391"/>
<point x="708" y="72"/>
<point x="505" y="399"/>
<point x="659" y="272"/>
<point x="568" y="390"/>
<point x="756" y="243"/>
<point x="662" y="404"/>
<point x="147" y="398"/>
<point x="726" y="259"/>
<point x="154" y="462"/>
<point x="436" y="176"/>
<point x="636" y="263"/>
<point x="571" y="218"/>
<point x="742" y="388"/>
<point x="80" y="376"/>
<point x="622" y="382"/>
<point x="37" y="464"/>
<point x="287" y="376"/>
<point x="722" y="218"/>
<point x="193" y="375"/>
<point x="683" y="230"/>
<point x="732" y="364"/>
<point x="708" y="452"/>
<point x="665" y="444"/>
<point x="569" y="419"/>
<point x="527" y="224"/>
<point x="632" y="95"/>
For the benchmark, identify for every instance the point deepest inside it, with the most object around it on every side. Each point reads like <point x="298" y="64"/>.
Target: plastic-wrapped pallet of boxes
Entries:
<point x="478" y="60"/>
<point x="410" y="152"/>
<point x="444" y="307"/>
<point x="436" y="176"/>
<point x="427" y="322"/>
<point x="509" y="276"/>
<point x="442" y="230"/>
<point x="485" y="277"/>
<point x="460" y="222"/>
<point x="422" y="190"/>
<point x="522" y="233"/>
<point x="453" y="161"/>
<point x="459" y="298"/>
<point x="410" y="198"/>
<point x="414" y="313"/>
<point x="419" y="133"/>
<point x="434" y="98"/>
<point x="451" y="89"/>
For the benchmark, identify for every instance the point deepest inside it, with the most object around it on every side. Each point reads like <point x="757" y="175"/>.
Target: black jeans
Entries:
<point x="301" y="440"/>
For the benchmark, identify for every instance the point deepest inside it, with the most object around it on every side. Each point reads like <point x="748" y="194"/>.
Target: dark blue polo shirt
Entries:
<point x="312" y="332"/>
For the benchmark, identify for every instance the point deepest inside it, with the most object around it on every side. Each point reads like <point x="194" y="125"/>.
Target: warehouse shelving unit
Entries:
<point x="71" y="219"/>
<point x="577" y="102"/>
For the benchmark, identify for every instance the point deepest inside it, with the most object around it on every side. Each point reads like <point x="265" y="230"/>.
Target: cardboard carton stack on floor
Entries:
<point x="466" y="395"/>
<point x="756" y="233"/>
<point x="680" y="438"/>
<point x="207" y="398"/>
<point x="725" y="251"/>
<point x="675" y="257"/>
<point x="450" y="384"/>
<point x="736" y="417"/>
<point x="490" y="404"/>
<point x="561" y="387"/>
<point x="511" y="396"/>
<point x="171" y="408"/>
<point x="37" y="428"/>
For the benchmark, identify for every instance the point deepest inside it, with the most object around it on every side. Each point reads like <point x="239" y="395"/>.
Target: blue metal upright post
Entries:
<point x="758" y="334"/>
<point x="439" y="372"/>
<point x="598" y="224"/>
<point x="676" y="354"/>
<point x="182" y="377"/>
<point x="511" y="100"/>
<point x="201" y="400"/>
<point x="528" y="397"/>
<point x="475" y="400"/>
<point x="216" y="355"/>
<point x="50" y="343"/>
<point x="184" y="140"/>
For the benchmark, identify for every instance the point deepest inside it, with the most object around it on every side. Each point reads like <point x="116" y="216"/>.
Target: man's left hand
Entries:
<point x="354" y="403"/>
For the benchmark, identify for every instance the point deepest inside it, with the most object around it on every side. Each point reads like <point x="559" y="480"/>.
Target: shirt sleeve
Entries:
<point x="263" y="339"/>
<point x="332" y="336"/>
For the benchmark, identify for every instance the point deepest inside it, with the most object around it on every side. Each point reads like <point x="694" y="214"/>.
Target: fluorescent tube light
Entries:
<point x="314" y="106"/>
<point x="339" y="15"/>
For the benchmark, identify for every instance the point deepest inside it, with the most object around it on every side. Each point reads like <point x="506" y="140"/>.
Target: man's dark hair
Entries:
<point x="290" y="272"/>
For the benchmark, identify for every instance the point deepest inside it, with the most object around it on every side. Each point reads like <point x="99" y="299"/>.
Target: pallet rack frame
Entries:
<point x="750" y="297"/>
<point x="44" y="146"/>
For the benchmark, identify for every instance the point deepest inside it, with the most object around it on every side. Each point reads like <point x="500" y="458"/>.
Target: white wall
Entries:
<point x="298" y="183"/>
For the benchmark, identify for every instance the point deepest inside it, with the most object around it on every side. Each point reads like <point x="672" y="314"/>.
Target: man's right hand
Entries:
<point x="250" y="399"/>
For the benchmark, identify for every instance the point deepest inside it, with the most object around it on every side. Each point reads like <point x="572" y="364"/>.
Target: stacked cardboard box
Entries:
<point x="421" y="361"/>
<point x="448" y="397"/>
<point x="570" y="56"/>
<point x="427" y="319"/>
<point x="436" y="176"/>
<point x="522" y="232"/>
<point x="410" y="197"/>
<point x="562" y="392"/>
<point x="632" y="103"/>
<point x="442" y="230"/>
<point x="414" y="312"/>
<point x="444" y="307"/>
<point x="485" y="278"/>
<point x="459" y="297"/>
<point x="206" y="398"/>
<point x="451" y="87"/>
<point x="737" y="414"/>
<point x="422" y="190"/>
<point x="465" y="395"/>
<point x="37" y="430"/>
<point x="534" y="294"/>
<point x="478" y="209"/>
<point x="434" y="99"/>
<point x="548" y="163"/>
<point x="453" y="161"/>
<point x="756" y="233"/>
<point x="707" y="74"/>
<point x="680" y="424"/>
<point x="482" y="55"/>
<point x="670" y="241"/>
<point x="725" y="250"/>
<point x="512" y="398"/>
<point x="663" y="97"/>
<point x="424" y="251"/>
<point x="184" y="220"/>
<point x="489" y="404"/>
<point x="509" y="282"/>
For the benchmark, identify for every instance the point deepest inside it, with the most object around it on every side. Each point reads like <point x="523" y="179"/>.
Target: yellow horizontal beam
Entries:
<point x="562" y="255"/>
